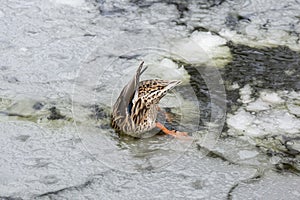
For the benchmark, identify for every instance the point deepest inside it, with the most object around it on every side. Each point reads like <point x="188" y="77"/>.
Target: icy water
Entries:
<point x="63" y="64"/>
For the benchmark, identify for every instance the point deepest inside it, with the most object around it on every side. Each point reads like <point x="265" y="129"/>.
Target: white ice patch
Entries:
<point x="203" y="48"/>
<point x="264" y="102"/>
<point x="275" y="114"/>
<point x="274" y="122"/>
<point x="73" y="3"/>
<point x="254" y="23"/>
<point x="272" y="98"/>
<point x="258" y="105"/>
<point x="254" y="38"/>
<point x="294" y="108"/>
<point x="246" y="154"/>
<point x="234" y="86"/>
<point x="240" y="121"/>
<point x="245" y="94"/>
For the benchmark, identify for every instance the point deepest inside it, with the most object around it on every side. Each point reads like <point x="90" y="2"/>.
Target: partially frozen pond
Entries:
<point x="63" y="64"/>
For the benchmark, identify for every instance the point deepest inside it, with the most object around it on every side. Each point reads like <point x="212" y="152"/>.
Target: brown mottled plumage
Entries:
<point x="136" y="109"/>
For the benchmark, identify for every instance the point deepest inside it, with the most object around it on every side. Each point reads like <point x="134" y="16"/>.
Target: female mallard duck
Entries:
<point x="136" y="109"/>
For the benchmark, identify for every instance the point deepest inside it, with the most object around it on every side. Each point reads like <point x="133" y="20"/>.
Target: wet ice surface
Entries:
<point x="274" y="185"/>
<point x="54" y="163"/>
<point x="63" y="64"/>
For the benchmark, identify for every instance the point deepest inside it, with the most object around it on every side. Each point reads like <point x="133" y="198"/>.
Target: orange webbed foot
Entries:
<point x="177" y="133"/>
<point x="174" y="133"/>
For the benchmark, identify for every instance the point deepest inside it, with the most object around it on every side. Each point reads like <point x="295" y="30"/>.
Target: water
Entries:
<point x="63" y="63"/>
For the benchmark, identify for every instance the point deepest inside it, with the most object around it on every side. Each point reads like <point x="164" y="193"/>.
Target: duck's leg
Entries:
<point x="170" y="132"/>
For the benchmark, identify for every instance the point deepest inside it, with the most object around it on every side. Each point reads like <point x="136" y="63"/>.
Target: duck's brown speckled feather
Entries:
<point x="135" y="110"/>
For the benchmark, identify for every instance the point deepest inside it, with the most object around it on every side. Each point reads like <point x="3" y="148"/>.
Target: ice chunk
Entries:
<point x="272" y="98"/>
<point x="258" y="105"/>
<point x="246" y="154"/>
<point x="203" y="47"/>
<point x="241" y="120"/>
<point x="245" y="94"/>
<point x="73" y="3"/>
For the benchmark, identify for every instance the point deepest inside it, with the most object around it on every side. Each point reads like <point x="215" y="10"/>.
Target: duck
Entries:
<point x="135" y="110"/>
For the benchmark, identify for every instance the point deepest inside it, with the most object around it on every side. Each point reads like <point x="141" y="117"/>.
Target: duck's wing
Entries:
<point x="123" y="105"/>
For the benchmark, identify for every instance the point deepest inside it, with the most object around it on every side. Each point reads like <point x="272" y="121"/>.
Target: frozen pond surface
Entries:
<point x="63" y="64"/>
